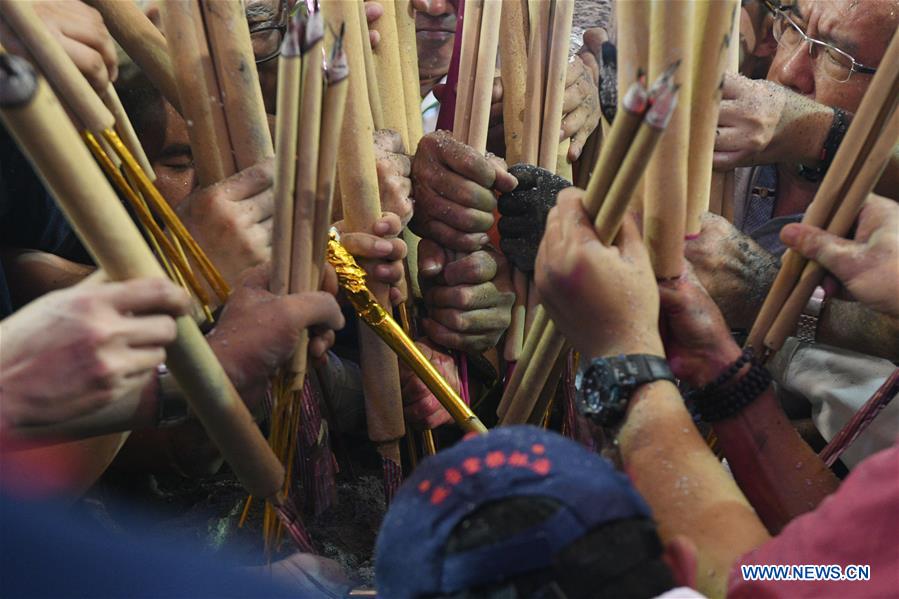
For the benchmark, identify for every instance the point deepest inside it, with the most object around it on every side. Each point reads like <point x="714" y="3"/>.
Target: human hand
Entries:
<point x="394" y="168"/>
<point x="762" y="122"/>
<point x="258" y="331"/>
<point x="232" y="219"/>
<point x="80" y="30"/>
<point x="580" y="105"/>
<point x="601" y="57"/>
<point x="381" y="251"/>
<point x="469" y="299"/>
<point x="420" y="407"/>
<point x="733" y="268"/>
<point x="868" y="266"/>
<point x="453" y="187"/>
<point x="697" y="340"/>
<point x="524" y="211"/>
<point x="603" y="299"/>
<point x="74" y="351"/>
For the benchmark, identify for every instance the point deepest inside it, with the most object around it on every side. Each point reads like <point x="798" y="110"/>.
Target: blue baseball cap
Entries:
<point x="511" y="461"/>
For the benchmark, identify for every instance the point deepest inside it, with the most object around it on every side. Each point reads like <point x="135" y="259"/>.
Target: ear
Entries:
<point x="680" y="556"/>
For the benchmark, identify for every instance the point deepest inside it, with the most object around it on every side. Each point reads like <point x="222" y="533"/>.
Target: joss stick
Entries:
<point x="471" y="28"/>
<point x="240" y="92"/>
<point x="711" y="58"/>
<point x="633" y="19"/>
<point x="198" y="91"/>
<point x="840" y="225"/>
<point x="371" y="73"/>
<point x="447" y="113"/>
<point x="721" y="200"/>
<point x="142" y="42"/>
<point x="44" y="132"/>
<point x="306" y="181"/>
<point x="126" y="130"/>
<point x="538" y="11"/>
<point x="390" y="74"/>
<point x="408" y="45"/>
<point x="331" y="123"/>
<point x="287" y="119"/>
<point x="513" y="51"/>
<point x="482" y="91"/>
<point x="665" y="201"/>
<point x="556" y="69"/>
<point x="356" y="171"/>
<point x="869" y="120"/>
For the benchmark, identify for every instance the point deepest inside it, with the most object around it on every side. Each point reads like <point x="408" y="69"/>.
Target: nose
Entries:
<point x="797" y="71"/>
<point x="434" y="8"/>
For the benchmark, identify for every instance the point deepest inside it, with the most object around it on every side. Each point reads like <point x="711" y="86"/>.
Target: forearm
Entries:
<point x="851" y="325"/>
<point x="780" y="474"/>
<point x="689" y="491"/>
<point x="32" y="273"/>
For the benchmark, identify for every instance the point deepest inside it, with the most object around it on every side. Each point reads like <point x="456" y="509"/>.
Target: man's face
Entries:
<point x="435" y="26"/>
<point x="173" y="163"/>
<point x="861" y="28"/>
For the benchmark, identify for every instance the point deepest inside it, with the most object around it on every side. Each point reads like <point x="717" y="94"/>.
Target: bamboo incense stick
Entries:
<point x="556" y="69"/>
<point x="356" y="171"/>
<point x="142" y="42"/>
<point x="43" y="131"/>
<point x="711" y="59"/>
<point x="513" y="51"/>
<point x="633" y="20"/>
<point x="286" y="127"/>
<point x="390" y="73"/>
<point x="306" y="182"/>
<point x="840" y="225"/>
<point x="482" y="92"/>
<point x="408" y="45"/>
<point x="721" y="200"/>
<point x="539" y="13"/>
<point x="331" y="123"/>
<point x="471" y="31"/>
<point x="198" y="91"/>
<point x="371" y="73"/>
<point x="853" y="151"/>
<point x="241" y="94"/>
<point x="665" y="201"/>
<point x="126" y="130"/>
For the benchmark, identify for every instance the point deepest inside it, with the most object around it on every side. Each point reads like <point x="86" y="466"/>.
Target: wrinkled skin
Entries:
<point x="468" y="298"/>
<point x="420" y="407"/>
<point x="394" y="168"/>
<point x="603" y="299"/>
<point x="107" y="340"/>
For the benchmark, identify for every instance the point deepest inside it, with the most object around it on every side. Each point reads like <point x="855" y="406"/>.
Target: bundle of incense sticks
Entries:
<point x="101" y="125"/>
<point x="542" y="62"/>
<point x="855" y="169"/>
<point x="632" y="140"/>
<point x="357" y="176"/>
<point x="218" y="86"/>
<point x="721" y="195"/>
<point x="42" y="129"/>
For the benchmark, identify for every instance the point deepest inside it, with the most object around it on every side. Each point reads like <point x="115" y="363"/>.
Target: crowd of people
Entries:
<point x="637" y="502"/>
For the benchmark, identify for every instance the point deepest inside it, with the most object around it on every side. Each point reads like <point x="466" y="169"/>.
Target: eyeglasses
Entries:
<point x="836" y="63"/>
<point x="268" y="35"/>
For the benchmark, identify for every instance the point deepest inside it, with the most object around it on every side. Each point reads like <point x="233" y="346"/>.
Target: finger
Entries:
<point x="389" y="225"/>
<point x="389" y="274"/>
<point x="629" y="240"/>
<point x="456" y="189"/>
<point x="457" y="214"/>
<point x="462" y="297"/>
<point x="441" y="335"/>
<point x="367" y="246"/>
<point x="256" y="277"/>
<point x="453" y="239"/>
<point x="373" y="11"/>
<point x="578" y="142"/>
<point x="320" y="344"/>
<point x="471" y="269"/>
<point x="260" y="207"/>
<point x="840" y="256"/>
<point x="93" y="33"/>
<point x="729" y="139"/>
<point x="431" y="259"/>
<point x="724" y="161"/>
<point x="594" y="38"/>
<point x="389" y="140"/>
<point x="496" y="94"/>
<point x="312" y="308"/>
<point x="465" y="161"/>
<point x="471" y="322"/>
<point x="247" y="183"/>
<point x="574" y="121"/>
<point x="155" y="330"/>
<point x="90" y="62"/>
<point x="146" y="296"/>
<point x="503" y="180"/>
<point x="137" y="361"/>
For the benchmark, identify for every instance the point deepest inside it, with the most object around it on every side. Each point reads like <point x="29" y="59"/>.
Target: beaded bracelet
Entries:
<point x="726" y="403"/>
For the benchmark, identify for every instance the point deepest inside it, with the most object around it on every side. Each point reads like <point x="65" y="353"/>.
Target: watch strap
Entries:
<point x="171" y="406"/>
<point x="609" y="383"/>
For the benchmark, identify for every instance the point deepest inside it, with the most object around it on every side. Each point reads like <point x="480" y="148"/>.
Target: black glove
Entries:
<point x="608" y="81"/>
<point x="524" y="212"/>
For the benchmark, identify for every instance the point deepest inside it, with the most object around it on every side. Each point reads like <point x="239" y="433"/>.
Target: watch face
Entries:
<point x="600" y="393"/>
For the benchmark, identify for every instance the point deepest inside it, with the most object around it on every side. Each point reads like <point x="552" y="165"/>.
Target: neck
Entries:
<point x="794" y="193"/>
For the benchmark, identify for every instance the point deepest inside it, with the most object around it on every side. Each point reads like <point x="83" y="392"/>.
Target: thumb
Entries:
<point x="833" y="253"/>
<point x="313" y="308"/>
<point x="629" y="240"/>
<point x="431" y="259"/>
